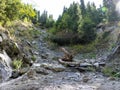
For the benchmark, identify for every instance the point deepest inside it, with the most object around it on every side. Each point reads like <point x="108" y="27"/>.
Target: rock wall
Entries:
<point x="113" y="59"/>
<point x="15" y="47"/>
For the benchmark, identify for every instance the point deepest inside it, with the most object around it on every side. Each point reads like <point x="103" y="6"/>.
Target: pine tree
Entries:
<point x="70" y="18"/>
<point x="43" y="18"/>
<point x="50" y="22"/>
<point x="111" y="13"/>
<point x="82" y="6"/>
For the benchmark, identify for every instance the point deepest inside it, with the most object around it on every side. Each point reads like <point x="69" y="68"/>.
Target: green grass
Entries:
<point x="84" y="48"/>
<point x="52" y="30"/>
<point x="17" y="64"/>
<point x="107" y="71"/>
<point x="110" y="72"/>
<point x="117" y="75"/>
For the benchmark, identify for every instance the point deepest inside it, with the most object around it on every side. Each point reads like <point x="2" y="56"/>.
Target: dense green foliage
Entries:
<point x="44" y="20"/>
<point x="77" y="24"/>
<point x="15" y="10"/>
<point x="111" y="14"/>
<point x="78" y="20"/>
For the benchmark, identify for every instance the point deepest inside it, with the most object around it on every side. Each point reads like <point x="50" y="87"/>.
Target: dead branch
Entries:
<point x="67" y="56"/>
<point x="69" y="63"/>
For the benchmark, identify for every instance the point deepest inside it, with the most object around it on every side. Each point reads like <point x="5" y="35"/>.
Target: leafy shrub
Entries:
<point x="8" y="24"/>
<point x="17" y="64"/>
<point x="52" y="30"/>
<point x="110" y="72"/>
<point x="105" y="34"/>
<point x="26" y="19"/>
<point x="87" y="29"/>
<point x="33" y="58"/>
<point x="107" y="71"/>
<point x="66" y="38"/>
<point x="117" y="75"/>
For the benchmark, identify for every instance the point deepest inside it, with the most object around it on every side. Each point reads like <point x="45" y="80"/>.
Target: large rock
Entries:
<point x="17" y="73"/>
<point x="42" y="71"/>
<point x="53" y="67"/>
<point x="44" y="56"/>
<point x="4" y="36"/>
<point x="10" y="47"/>
<point x="5" y="66"/>
<point x="5" y="59"/>
<point x="1" y="39"/>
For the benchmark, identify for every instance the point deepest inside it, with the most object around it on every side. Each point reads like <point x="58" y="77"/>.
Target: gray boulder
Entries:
<point x="5" y="66"/>
<point x="53" y="67"/>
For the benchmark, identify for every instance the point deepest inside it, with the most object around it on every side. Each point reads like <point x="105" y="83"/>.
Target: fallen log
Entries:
<point x="69" y="63"/>
<point x="67" y="60"/>
<point x="81" y="64"/>
<point x="77" y="65"/>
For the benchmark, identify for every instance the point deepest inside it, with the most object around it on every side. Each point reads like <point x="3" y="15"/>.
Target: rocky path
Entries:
<point x="48" y="74"/>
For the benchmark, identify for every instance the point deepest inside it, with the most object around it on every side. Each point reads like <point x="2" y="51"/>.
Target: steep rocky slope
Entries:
<point x="46" y="73"/>
<point x="16" y="49"/>
<point x="111" y="34"/>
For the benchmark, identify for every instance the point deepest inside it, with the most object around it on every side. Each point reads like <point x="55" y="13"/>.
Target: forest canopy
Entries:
<point x="15" y="10"/>
<point x="76" y="25"/>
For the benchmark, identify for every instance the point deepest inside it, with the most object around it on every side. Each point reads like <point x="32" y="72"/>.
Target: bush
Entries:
<point x="87" y="29"/>
<point x="17" y="64"/>
<point x="110" y="72"/>
<point x="52" y="30"/>
<point x="117" y="75"/>
<point x="33" y="58"/>
<point x="8" y="24"/>
<point x="65" y="38"/>
<point x="107" y="71"/>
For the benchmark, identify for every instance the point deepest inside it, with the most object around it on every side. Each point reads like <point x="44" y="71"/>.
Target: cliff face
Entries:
<point x="110" y="37"/>
<point x="16" y="48"/>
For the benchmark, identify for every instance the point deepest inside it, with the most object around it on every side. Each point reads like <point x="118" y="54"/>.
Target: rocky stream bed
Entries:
<point x="46" y="73"/>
